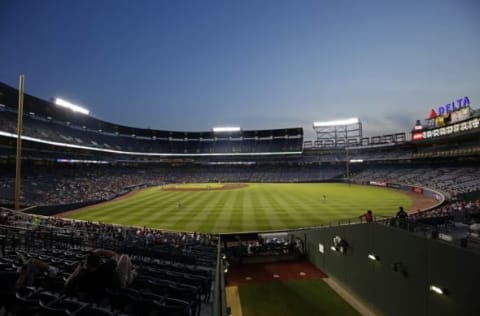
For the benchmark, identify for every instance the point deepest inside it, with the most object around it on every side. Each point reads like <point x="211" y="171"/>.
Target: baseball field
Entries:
<point x="232" y="207"/>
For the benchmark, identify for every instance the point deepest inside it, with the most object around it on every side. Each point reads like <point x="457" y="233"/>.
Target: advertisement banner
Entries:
<point x="417" y="190"/>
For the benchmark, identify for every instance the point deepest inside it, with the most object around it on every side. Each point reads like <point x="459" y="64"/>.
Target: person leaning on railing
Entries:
<point x="368" y="216"/>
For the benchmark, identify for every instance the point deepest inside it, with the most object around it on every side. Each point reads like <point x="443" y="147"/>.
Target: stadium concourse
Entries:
<point x="70" y="160"/>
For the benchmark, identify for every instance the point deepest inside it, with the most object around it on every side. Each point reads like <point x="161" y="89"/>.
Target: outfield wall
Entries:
<point x="398" y="283"/>
<point x="426" y="192"/>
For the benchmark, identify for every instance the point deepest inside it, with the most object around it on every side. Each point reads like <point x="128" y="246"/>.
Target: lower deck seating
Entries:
<point x="168" y="284"/>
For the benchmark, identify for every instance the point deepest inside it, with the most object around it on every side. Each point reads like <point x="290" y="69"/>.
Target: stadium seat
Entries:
<point x="92" y="310"/>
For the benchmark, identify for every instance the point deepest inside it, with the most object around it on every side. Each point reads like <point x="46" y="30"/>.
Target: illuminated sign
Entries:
<point x="450" y="107"/>
<point x="448" y="130"/>
<point x="102" y="162"/>
<point x="394" y="185"/>
<point x="377" y="183"/>
<point x="417" y="136"/>
<point x="417" y="190"/>
<point x="460" y="115"/>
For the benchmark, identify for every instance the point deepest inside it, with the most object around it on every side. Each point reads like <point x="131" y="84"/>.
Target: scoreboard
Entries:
<point x="453" y="118"/>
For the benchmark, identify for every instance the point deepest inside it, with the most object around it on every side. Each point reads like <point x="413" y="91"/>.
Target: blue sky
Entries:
<point x="191" y="65"/>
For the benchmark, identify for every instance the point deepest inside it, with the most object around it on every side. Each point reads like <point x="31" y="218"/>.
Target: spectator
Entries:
<point x="30" y="269"/>
<point x="94" y="276"/>
<point x="368" y="216"/>
<point x="402" y="217"/>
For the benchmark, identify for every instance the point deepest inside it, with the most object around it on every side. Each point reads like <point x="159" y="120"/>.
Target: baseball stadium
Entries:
<point x="228" y="221"/>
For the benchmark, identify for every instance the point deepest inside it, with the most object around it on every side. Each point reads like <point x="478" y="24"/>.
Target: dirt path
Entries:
<point x="420" y="202"/>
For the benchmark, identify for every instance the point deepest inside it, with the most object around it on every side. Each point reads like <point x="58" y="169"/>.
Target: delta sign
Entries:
<point x="448" y="119"/>
<point x="450" y="107"/>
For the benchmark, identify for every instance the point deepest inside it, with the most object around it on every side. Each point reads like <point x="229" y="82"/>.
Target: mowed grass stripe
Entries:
<point x="174" y="209"/>
<point x="258" y="207"/>
<point x="151" y="210"/>
<point x="226" y="212"/>
<point x="232" y="213"/>
<point x="309" y="210"/>
<point x="211" y="211"/>
<point x="304" y="210"/>
<point x="283" y="209"/>
<point x="138" y="198"/>
<point x="252" y="209"/>
<point x="215" y="213"/>
<point x="181" y="213"/>
<point x="258" y="218"/>
<point x="196" y="208"/>
<point x="121" y="207"/>
<point x="148" y="210"/>
<point x="209" y="217"/>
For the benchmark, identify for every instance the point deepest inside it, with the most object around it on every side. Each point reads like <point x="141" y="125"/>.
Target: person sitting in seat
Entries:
<point x="93" y="276"/>
<point x="30" y="269"/>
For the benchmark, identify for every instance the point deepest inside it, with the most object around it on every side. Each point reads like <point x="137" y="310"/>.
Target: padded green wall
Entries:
<point x="425" y="262"/>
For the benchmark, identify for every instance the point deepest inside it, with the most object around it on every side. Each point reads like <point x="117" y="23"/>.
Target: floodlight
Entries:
<point x="226" y="129"/>
<point x="337" y="122"/>
<point x="71" y="106"/>
<point x="373" y="257"/>
<point x="356" y="160"/>
<point x="436" y="289"/>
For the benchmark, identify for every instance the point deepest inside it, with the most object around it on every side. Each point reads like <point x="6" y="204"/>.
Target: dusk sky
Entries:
<point x="192" y="65"/>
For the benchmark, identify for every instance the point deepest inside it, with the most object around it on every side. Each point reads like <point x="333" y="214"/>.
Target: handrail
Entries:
<point x="217" y="290"/>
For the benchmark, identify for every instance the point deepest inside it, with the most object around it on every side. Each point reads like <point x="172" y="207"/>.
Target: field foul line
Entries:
<point x="233" y="300"/>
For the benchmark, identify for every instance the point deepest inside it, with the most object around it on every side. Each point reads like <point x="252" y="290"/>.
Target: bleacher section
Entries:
<point x="454" y="180"/>
<point x="174" y="270"/>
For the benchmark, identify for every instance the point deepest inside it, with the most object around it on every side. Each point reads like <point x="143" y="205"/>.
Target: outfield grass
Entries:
<point x="257" y="207"/>
<point x="306" y="297"/>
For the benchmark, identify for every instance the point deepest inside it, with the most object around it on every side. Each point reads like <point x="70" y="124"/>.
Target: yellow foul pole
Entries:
<point x="19" y="142"/>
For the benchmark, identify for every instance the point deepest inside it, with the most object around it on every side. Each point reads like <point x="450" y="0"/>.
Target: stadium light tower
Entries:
<point x="71" y="106"/>
<point x="338" y="133"/>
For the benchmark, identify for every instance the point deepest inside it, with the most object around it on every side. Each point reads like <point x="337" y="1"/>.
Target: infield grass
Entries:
<point x="256" y="207"/>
